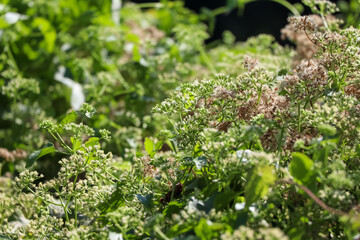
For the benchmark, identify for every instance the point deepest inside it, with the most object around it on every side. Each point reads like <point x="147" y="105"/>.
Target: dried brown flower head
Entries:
<point x="250" y="63"/>
<point x="303" y="31"/>
<point x="307" y="80"/>
<point x="353" y="90"/>
<point x="12" y="155"/>
<point x="269" y="105"/>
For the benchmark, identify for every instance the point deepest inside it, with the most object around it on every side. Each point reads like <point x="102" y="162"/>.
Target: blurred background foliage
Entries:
<point x="123" y="58"/>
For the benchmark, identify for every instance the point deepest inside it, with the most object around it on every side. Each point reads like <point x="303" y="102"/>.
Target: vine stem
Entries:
<point x="161" y="234"/>
<point x="299" y="117"/>
<point x="315" y="198"/>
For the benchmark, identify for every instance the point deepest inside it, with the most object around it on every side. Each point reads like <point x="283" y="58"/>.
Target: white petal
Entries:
<point x="13" y="17"/>
<point x="115" y="236"/>
<point x="239" y="206"/>
<point x="77" y="96"/>
<point x="115" y="10"/>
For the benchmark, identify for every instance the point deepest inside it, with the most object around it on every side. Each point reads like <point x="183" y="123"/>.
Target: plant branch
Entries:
<point x="315" y="198"/>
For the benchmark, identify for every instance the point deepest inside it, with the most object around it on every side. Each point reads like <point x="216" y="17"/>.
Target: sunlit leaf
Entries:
<point x="259" y="180"/>
<point x="300" y="167"/>
<point x="149" y="145"/>
<point x="203" y="230"/>
<point x="70" y="117"/>
<point x="46" y="149"/>
<point x="48" y="32"/>
<point x="200" y="162"/>
<point x="92" y="142"/>
<point x="76" y="143"/>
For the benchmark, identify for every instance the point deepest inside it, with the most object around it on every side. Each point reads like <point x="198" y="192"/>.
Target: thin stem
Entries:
<point x="311" y="40"/>
<point x="41" y="198"/>
<point x="62" y="204"/>
<point x="172" y="125"/>
<point x="66" y="207"/>
<point x="52" y="134"/>
<point x="62" y="142"/>
<point x="11" y="56"/>
<point x="299" y="118"/>
<point x="259" y="96"/>
<point x="161" y="234"/>
<point x="112" y="176"/>
<point x="280" y="139"/>
<point x="260" y="145"/>
<point x="206" y="59"/>
<point x="105" y="178"/>
<point x="75" y="211"/>
<point x="289" y="6"/>
<point x="123" y="81"/>
<point x="172" y="192"/>
<point x="219" y="10"/>
<point x="325" y="22"/>
<point x="316" y="199"/>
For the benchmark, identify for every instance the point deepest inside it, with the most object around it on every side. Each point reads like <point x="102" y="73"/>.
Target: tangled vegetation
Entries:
<point x="118" y="122"/>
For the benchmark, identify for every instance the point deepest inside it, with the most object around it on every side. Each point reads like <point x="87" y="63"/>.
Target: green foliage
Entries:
<point x="264" y="146"/>
<point x="259" y="180"/>
<point x="301" y="169"/>
<point x="46" y="149"/>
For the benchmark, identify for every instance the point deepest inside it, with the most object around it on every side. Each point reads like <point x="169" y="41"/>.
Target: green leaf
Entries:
<point x="200" y="162"/>
<point x="241" y="219"/>
<point x="3" y="237"/>
<point x="326" y="130"/>
<point x="92" y="142"/>
<point x="296" y="233"/>
<point x="149" y="145"/>
<point x="197" y="150"/>
<point x="153" y="221"/>
<point x="76" y="143"/>
<point x="145" y="200"/>
<point x="203" y="230"/>
<point x="136" y="53"/>
<point x="48" y="32"/>
<point x="172" y="208"/>
<point x="322" y="155"/>
<point x="231" y="4"/>
<point x="132" y="38"/>
<point x="178" y="229"/>
<point x="112" y="202"/>
<point x="70" y="117"/>
<point x="223" y="199"/>
<point x="158" y="145"/>
<point x="46" y="149"/>
<point x="300" y="167"/>
<point x="29" y="51"/>
<point x="323" y="150"/>
<point x="171" y="144"/>
<point x="259" y="180"/>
